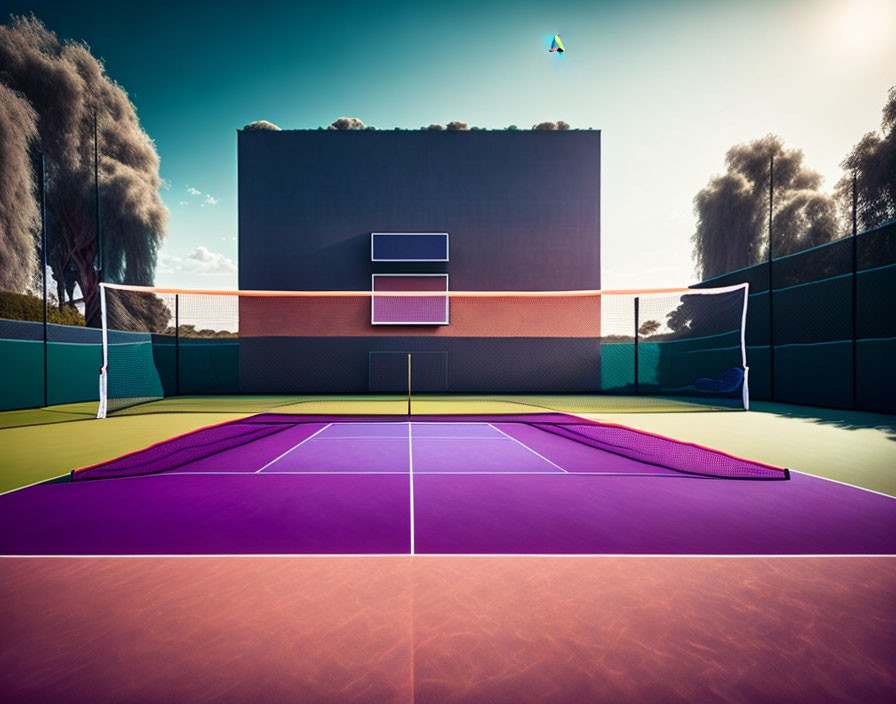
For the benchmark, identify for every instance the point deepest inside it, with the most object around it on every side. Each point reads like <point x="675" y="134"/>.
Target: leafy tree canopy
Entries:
<point x="873" y="163"/>
<point x="67" y="88"/>
<point x="732" y="210"/>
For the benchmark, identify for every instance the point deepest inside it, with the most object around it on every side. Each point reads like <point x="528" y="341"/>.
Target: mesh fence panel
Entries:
<point x="208" y="344"/>
<point x="875" y="319"/>
<point x="22" y="355"/>
<point x="816" y="319"/>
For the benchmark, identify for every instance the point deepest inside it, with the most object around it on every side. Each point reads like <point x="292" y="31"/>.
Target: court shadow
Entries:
<point x="67" y="413"/>
<point x="838" y="418"/>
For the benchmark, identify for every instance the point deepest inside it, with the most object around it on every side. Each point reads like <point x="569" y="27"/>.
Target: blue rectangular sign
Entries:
<point x="409" y="246"/>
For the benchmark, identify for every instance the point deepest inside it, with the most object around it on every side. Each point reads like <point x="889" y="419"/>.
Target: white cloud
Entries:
<point x="201" y="261"/>
<point x="209" y="200"/>
<point x="193" y="191"/>
<point x="184" y="202"/>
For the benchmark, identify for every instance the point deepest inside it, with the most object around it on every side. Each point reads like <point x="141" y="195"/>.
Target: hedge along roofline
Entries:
<point x="424" y="129"/>
<point x="357" y="125"/>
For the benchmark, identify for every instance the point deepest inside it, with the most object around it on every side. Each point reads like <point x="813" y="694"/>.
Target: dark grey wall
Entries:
<point x="310" y="365"/>
<point x="522" y="208"/>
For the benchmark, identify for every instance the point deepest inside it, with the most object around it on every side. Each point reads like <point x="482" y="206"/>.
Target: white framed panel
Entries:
<point x="408" y="309"/>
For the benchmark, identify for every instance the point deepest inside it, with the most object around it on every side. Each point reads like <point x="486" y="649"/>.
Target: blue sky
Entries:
<point x="672" y="84"/>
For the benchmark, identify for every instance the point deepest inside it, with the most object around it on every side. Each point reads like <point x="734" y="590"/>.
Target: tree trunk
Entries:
<point x="88" y="281"/>
<point x="82" y="244"/>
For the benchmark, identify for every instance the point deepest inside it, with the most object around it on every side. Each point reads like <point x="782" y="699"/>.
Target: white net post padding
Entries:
<point x="104" y="378"/>
<point x="131" y="317"/>
<point x="743" y="348"/>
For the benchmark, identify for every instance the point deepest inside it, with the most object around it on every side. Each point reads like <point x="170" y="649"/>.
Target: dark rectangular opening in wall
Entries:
<point x="388" y="372"/>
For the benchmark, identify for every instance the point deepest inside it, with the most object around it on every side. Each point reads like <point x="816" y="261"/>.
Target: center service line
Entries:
<point x="411" y="473"/>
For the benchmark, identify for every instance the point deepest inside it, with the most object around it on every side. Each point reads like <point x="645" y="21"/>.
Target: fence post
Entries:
<point x="637" y="316"/>
<point x="176" y="344"/>
<point x="855" y="294"/>
<point x="43" y="260"/>
<point x="771" y="285"/>
<point x="96" y="193"/>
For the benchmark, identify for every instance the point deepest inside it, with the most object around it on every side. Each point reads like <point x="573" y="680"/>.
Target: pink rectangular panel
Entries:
<point x="405" y="308"/>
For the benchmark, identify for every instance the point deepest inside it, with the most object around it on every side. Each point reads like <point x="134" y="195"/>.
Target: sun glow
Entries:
<point x="861" y="27"/>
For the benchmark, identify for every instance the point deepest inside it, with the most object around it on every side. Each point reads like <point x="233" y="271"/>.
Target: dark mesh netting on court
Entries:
<point x="647" y="449"/>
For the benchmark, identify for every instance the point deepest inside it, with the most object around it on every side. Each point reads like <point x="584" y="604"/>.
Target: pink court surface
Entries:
<point x="437" y="558"/>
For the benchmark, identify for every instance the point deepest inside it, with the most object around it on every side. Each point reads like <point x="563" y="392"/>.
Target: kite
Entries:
<point x="556" y="45"/>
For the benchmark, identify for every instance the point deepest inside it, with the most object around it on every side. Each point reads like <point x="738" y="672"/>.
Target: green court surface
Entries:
<point x="438" y="628"/>
<point x="35" y="453"/>
<point x="853" y="447"/>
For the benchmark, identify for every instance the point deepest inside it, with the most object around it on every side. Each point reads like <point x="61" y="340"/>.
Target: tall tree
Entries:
<point x="67" y="86"/>
<point x="732" y="210"/>
<point x="873" y="162"/>
<point x="19" y="213"/>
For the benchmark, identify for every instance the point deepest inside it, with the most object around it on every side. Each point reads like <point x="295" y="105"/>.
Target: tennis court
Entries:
<point x="544" y="567"/>
<point x="524" y="484"/>
<point x="538" y="502"/>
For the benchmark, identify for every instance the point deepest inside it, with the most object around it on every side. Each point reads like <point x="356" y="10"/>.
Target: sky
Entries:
<point x="672" y="85"/>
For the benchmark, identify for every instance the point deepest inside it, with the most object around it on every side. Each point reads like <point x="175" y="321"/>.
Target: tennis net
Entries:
<point x="548" y="350"/>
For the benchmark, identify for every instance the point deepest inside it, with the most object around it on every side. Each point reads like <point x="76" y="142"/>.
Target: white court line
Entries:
<point x="293" y="448"/>
<point x="37" y="483"/>
<point x="417" y="472"/>
<point x="365" y="437"/>
<point x="460" y="437"/>
<point x="371" y="422"/>
<point x="447" y="422"/>
<point x="419" y="437"/>
<point x="529" y="449"/>
<point x="411" y="473"/>
<point x="443" y="554"/>
<point x="836" y="481"/>
<point x="252" y="474"/>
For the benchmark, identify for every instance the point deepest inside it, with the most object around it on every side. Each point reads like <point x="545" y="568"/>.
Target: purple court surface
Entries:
<point x="481" y="485"/>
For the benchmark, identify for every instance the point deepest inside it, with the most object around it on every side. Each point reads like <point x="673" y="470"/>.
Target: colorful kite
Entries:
<point x="556" y="45"/>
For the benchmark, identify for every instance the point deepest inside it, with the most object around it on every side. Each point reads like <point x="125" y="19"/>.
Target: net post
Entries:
<point x="177" y="344"/>
<point x="637" y="325"/>
<point x="745" y="390"/>
<point x="409" y="384"/>
<point x="104" y="383"/>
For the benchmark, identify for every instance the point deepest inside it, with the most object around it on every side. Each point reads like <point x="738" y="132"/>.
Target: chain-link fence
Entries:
<point x="48" y="353"/>
<point x="824" y="332"/>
